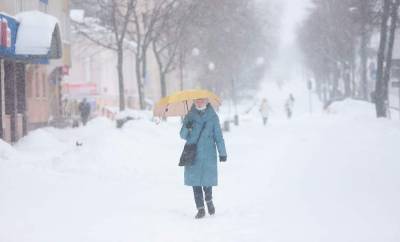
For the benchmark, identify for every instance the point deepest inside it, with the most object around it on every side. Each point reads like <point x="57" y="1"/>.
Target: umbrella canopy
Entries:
<point x="179" y="103"/>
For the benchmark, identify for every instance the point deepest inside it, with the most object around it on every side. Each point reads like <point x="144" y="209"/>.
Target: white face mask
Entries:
<point x="202" y="108"/>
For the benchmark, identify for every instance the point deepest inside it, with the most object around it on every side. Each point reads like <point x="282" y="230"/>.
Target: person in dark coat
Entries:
<point x="289" y="104"/>
<point x="84" y="109"/>
<point x="202" y="175"/>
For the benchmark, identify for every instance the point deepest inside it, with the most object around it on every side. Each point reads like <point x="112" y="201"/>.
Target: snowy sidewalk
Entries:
<point x="324" y="178"/>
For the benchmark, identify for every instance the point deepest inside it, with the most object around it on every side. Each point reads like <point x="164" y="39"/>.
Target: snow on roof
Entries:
<point x="38" y="34"/>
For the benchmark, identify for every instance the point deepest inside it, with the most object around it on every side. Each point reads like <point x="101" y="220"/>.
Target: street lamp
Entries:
<point x="260" y="61"/>
<point x="195" y="52"/>
<point x="211" y="66"/>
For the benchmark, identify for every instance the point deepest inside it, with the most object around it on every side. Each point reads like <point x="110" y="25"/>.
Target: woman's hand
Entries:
<point x="189" y="125"/>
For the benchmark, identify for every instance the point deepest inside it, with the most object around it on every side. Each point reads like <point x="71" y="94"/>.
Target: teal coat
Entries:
<point x="204" y="171"/>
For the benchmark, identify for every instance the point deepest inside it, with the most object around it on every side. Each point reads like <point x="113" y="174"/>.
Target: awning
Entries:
<point x="38" y="35"/>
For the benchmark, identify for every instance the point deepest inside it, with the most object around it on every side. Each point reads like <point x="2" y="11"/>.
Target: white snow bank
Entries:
<point x="35" y="33"/>
<point x="350" y="108"/>
<point x="357" y="110"/>
<point x="134" y="114"/>
<point x="6" y="150"/>
<point x="98" y="149"/>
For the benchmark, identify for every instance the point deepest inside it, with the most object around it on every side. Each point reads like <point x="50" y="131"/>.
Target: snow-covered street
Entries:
<point x="95" y="96"/>
<point x="326" y="177"/>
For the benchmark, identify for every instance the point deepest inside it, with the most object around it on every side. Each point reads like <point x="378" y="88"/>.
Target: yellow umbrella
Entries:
<point x="179" y="103"/>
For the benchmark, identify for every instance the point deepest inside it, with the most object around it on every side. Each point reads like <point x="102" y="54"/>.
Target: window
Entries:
<point x="44" y="86"/>
<point x="37" y="84"/>
<point x="29" y="82"/>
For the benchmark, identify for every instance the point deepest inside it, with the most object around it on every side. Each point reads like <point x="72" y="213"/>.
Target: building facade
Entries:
<point x="31" y="78"/>
<point x="95" y="67"/>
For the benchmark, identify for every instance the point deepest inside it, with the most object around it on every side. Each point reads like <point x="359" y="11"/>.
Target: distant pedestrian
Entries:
<point x="265" y="110"/>
<point x="289" y="104"/>
<point x="201" y="126"/>
<point x="84" y="109"/>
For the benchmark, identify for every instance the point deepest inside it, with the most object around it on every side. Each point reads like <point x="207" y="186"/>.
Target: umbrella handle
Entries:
<point x="166" y="109"/>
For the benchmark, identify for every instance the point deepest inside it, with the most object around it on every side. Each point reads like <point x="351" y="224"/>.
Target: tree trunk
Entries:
<point x="144" y="78"/>
<point x="363" y="51"/>
<point x="335" y="82"/>
<point x="161" y="71"/>
<point x="120" y="68"/>
<point x="392" y="36"/>
<point x="138" y="72"/>
<point x="163" y="84"/>
<point x="181" y="71"/>
<point x="353" y="78"/>
<point x="363" y="55"/>
<point x="379" y="87"/>
<point x="347" y="80"/>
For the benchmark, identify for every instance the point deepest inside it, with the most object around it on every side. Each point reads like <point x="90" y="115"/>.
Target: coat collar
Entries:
<point x="202" y="115"/>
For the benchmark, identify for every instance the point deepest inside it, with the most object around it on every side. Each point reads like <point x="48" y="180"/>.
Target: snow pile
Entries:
<point x="6" y="150"/>
<point x="134" y="114"/>
<point x="356" y="109"/>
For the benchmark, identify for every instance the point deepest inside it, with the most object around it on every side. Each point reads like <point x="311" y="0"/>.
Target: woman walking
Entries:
<point x="264" y="110"/>
<point x="202" y="125"/>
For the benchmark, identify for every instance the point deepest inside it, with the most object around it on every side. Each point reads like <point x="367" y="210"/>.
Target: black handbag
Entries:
<point x="189" y="152"/>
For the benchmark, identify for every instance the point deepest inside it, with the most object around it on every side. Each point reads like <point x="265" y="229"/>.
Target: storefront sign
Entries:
<point x="79" y="89"/>
<point x="8" y="33"/>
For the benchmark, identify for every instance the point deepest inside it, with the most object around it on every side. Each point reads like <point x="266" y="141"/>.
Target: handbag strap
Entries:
<point x="201" y="131"/>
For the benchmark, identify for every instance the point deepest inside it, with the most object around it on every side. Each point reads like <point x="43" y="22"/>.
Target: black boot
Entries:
<point x="210" y="207"/>
<point x="200" y="213"/>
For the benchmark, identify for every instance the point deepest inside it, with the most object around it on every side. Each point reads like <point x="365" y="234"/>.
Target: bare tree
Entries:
<point x="144" y="19"/>
<point x="328" y="43"/>
<point x="366" y="16"/>
<point x="109" y="30"/>
<point x="168" y="42"/>
<point x="329" y="38"/>
<point x="390" y="10"/>
<point x="230" y="36"/>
